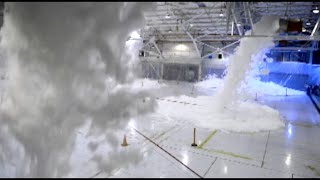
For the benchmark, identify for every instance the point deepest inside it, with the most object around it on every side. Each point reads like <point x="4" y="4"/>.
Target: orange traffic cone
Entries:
<point x="124" y="143"/>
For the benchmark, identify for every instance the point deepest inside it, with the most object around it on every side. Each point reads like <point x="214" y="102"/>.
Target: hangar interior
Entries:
<point x="221" y="89"/>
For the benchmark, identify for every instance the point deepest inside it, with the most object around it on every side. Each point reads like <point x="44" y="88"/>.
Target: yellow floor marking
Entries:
<point x="167" y="137"/>
<point x="160" y="135"/>
<point x="313" y="170"/>
<point x="164" y="139"/>
<point x="207" y="139"/>
<point x="163" y="133"/>
<point x="228" y="153"/>
<point x="219" y="151"/>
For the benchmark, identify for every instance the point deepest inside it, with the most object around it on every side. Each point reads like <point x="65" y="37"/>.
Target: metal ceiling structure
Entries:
<point x="201" y="23"/>
<point x="222" y="21"/>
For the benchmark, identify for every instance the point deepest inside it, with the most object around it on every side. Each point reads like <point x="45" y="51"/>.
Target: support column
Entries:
<point x="235" y="18"/>
<point x="247" y="7"/>
<point x="199" y="72"/>
<point x="314" y="46"/>
<point x="228" y="15"/>
<point x="310" y="57"/>
<point x="232" y="28"/>
<point x="161" y="71"/>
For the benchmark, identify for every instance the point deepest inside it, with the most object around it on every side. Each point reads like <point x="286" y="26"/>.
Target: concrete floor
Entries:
<point x="291" y="152"/>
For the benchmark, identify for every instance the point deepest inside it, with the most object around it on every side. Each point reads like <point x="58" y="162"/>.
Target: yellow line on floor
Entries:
<point x="160" y="135"/>
<point x="207" y="139"/>
<point x="219" y="151"/>
<point x="228" y="153"/>
<point x="157" y="136"/>
<point x="313" y="170"/>
<point x="164" y="132"/>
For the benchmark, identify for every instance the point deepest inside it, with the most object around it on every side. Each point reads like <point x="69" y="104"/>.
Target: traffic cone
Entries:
<point x="124" y="143"/>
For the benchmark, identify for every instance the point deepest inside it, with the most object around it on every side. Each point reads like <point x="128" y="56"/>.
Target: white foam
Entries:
<point x="239" y="63"/>
<point x="64" y="63"/>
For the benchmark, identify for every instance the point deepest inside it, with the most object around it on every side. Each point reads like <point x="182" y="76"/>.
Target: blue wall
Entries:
<point x="295" y="75"/>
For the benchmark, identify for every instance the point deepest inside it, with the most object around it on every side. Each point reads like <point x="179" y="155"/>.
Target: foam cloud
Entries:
<point x="65" y="62"/>
<point x="239" y="62"/>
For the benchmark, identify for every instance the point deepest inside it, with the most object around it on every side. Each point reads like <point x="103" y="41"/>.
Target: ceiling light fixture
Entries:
<point x="221" y="13"/>
<point x="170" y="31"/>
<point x="315" y="10"/>
<point x="238" y="24"/>
<point x="308" y="23"/>
<point x="168" y="15"/>
<point x="304" y="30"/>
<point x="181" y="47"/>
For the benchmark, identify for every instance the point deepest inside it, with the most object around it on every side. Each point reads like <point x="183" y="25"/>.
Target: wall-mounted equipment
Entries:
<point x="290" y="26"/>
<point x="141" y="53"/>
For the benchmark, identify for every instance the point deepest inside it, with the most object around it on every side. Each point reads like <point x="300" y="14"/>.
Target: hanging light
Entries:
<point x="221" y="13"/>
<point x="168" y="15"/>
<point x="304" y="30"/>
<point x="170" y="31"/>
<point x="308" y="23"/>
<point x="238" y="24"/>
<point x="315" y="10"/>
<point x="191" y="25"/>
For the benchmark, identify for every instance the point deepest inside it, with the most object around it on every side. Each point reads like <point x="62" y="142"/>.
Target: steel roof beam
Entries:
<point x="195" y="24"/>
<point x="316" y="28"/>
<point x="236" y="37"/>
<point x="193" y="41"/>
<point x="229" y="4"/>
<point x="247" y="6"/>
<point x="235" y="20"/>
